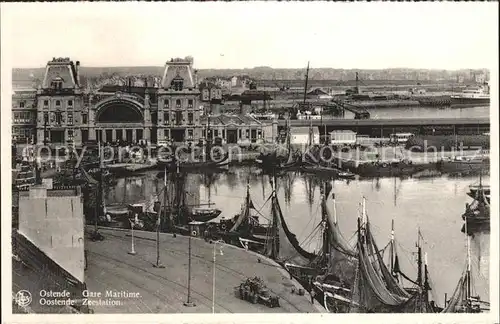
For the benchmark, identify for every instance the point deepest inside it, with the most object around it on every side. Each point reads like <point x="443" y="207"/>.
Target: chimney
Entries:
<point x="77" y="69"/>
<point x="195" y="78"/>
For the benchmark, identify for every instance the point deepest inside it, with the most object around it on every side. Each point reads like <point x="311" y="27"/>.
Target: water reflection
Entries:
<point x="434" y="205"/>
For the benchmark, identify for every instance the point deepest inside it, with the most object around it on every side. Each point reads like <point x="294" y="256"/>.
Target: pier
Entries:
<point x="165" y="290"/>
<point x="385" y="127"/>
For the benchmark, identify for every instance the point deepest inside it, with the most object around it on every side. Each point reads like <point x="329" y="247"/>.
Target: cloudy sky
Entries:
<point x="238" y="35"/>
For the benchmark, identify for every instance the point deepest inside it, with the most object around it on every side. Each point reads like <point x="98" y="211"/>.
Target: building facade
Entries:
<point x="62" y="112"/>
<point x="24" y="116"/>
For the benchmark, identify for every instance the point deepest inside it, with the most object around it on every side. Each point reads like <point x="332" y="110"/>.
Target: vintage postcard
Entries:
<point x="326" y="160"/>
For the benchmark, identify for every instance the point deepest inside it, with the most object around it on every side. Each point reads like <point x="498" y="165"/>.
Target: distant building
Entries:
<point x="24" y="116"/>
<point x="480" y="78"/>
<point x="342" y="137"/>
<point x="234" y="81"/>
<point x="307" y="115"/>
<point x="178" y="100"/>
<point x="61" y="112"/>
<point x="236" y="129"/>
<point x="302" y="135"/>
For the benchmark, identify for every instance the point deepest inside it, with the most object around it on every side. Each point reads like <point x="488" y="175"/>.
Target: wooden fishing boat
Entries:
<point x="244" y="229"/>
<point x="464" y="299"/>
<point x="477" y="213"/>
<point x="204" y="214"/>
<point x="344" y="278"/>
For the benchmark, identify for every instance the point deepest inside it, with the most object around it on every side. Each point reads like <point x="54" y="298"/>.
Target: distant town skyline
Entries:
<point x="368" y="36"/>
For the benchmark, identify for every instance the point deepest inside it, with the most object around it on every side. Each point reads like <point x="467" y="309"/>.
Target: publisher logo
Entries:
<point x="23" y="298"/>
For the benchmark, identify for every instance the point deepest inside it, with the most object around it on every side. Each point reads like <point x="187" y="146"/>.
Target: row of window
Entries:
<point x="24" y="104"/>
<point x="20" y="131"/>
<point x="178" y="103"/>
<point x="177" y="118"/>
<point x="58" y="104"/>
<point x="24" y="117"/>
<point x="57" y="118"/>
<point x="223" y="133"/>
<point x="190" y="132"/>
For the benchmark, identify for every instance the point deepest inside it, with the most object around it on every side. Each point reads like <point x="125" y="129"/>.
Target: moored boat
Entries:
<point x="245" y="229"/>
<point x="204" y="214"/>
<point x="477" y="213"/>
<point x="472" y="97"/>
<point x="464" y="299"/>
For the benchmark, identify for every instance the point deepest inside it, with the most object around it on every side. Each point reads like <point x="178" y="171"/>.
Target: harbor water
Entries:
<point x="433" y="205"/>
<point x="426" y="112"/>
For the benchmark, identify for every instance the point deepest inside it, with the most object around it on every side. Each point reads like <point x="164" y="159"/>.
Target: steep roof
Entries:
<point x="62" y="69"/>
<point x="226" y="119"/>
<point x="178" y="68"/>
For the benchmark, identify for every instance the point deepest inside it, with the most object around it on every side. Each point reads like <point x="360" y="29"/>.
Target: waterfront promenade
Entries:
<point x="164" y="290"/>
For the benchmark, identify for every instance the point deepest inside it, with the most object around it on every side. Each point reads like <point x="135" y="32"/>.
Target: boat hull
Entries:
<point x="205" y="217"/>
<point x="388" y="169"/>
<point x="219" y="165"/>
<point x="469" y="102"/>
<point x="462" y="166"/>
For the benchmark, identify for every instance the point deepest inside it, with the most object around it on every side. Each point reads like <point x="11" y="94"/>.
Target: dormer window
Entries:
<point x="177" y="83"/>
<point x="57" y="83"/>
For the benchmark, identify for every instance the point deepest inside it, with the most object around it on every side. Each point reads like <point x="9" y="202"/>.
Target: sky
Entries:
<point x="379" y="35"/>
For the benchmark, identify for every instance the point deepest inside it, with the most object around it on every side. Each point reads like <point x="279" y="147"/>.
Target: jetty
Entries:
<point x="164" y="290"/>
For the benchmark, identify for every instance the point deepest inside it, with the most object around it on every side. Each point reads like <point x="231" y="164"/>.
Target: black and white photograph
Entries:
<point x="250" y="158"/>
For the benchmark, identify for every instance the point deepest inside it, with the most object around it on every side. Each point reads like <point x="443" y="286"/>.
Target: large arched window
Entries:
<point x="119" y="112"/>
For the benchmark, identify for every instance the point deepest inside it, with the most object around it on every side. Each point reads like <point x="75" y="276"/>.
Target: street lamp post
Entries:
<point x="189" y="303"/>
<point x="132" y="250"/>
<point x="213" y="278"/>
<point x="158" y="222"/>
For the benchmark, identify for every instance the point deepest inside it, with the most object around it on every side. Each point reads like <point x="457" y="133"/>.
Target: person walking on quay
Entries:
<point x="313" y="294"/>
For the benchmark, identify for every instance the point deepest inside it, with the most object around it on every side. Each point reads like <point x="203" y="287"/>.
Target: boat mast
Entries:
<point x="426" y="279"/>
<point x="363" y="218"/>
<point x="468" y="274"/>
<point x="304" y="105"/>
<point x="324" y="221"/>
<point x="419" y="261"/>
<point x="207" y="144"/>
<point x="274" y="251"/>
<point x="305" y="87"/>
<point x="391" y="255"/>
